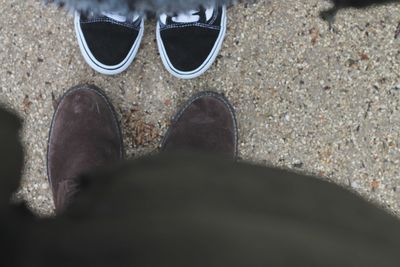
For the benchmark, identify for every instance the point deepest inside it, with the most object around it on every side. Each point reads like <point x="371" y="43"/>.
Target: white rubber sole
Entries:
<point x="206" y="64"/>
<point x="94" y="63"/>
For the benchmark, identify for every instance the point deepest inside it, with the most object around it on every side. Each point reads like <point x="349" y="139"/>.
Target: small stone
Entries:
<point x="375" y="184"/>
<point x="297" y="164"/>
<point x="364" y="56"/>
<point x="355" y="185"/>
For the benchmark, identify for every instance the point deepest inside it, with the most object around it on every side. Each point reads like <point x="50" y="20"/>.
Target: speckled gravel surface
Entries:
<point x="307" y="98"/>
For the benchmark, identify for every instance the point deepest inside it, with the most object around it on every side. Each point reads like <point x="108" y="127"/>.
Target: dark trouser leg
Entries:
<point x="14" y="220"/>
<point x="201" y="211"/>
<point x="195" y="211"/>
<point x="10" y="156"/>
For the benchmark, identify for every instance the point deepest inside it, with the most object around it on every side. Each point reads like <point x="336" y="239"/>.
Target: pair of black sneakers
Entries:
<point x="188" y="43"/>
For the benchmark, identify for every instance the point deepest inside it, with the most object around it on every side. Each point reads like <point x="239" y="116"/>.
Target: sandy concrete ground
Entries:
<point x="308" y="99"/>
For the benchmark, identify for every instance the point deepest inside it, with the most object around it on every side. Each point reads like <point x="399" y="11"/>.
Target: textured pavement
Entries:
<point x="309" y="99"/>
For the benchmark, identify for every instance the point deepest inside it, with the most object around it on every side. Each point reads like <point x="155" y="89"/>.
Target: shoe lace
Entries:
<point x="189" y="17"/>
<point x="192" y="16"/>
<point x="120" y="18"/>
<point x="114" y="16"/>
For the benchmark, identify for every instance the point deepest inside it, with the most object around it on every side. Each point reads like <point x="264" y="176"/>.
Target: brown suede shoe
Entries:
<point x="84" y="134"/>
<point x="207" y="123"/>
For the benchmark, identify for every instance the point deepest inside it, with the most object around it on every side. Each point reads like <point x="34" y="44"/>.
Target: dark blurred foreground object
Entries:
<point x="330" y="14"/>
<point x="190" y="210"/>
<point x="161" y="6"/>
<point x="360" y="3"/>
<point x="127" y="7"/>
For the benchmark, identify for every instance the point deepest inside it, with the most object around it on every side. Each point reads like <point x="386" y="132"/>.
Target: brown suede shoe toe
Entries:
<point x="84" y="135"/>
<point x="207" y="123"/>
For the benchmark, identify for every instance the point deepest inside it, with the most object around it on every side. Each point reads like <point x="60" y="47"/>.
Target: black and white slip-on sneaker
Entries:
<point x="189" y="43"/>
<point x="109" y="42"/>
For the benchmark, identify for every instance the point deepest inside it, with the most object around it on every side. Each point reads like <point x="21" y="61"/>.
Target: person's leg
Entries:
<point x="11" y="157"/>
<point x="14" y="220"/>
<point x="184" y="210"/>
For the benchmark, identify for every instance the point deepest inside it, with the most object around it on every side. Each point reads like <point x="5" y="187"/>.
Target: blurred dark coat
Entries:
<point x="173" y="210"/>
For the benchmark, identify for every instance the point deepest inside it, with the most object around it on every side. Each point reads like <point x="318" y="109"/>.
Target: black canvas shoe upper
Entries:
<point x="190" y="39"/>
<point x="109" y="38"/>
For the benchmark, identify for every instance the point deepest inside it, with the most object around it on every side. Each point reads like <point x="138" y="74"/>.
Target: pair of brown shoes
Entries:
<point x="85" y="134"/>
